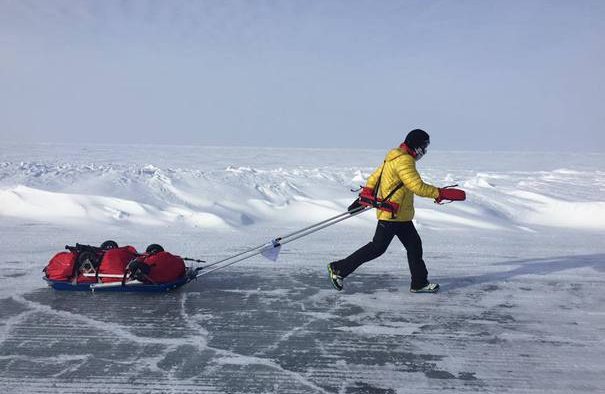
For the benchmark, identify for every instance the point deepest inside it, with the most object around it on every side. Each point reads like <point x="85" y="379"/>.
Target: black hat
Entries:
<point x="417" y="138"/>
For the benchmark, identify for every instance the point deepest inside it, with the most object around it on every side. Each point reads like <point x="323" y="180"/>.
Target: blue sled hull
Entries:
<point x="144" y="288"/>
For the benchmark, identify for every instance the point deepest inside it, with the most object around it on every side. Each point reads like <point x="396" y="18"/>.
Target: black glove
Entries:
<point x="354" y="206"/>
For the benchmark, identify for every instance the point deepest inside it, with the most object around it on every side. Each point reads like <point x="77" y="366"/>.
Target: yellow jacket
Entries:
<point x="400" y="167"/>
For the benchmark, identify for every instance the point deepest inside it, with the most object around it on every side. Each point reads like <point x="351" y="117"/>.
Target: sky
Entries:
<point x="477" y="75"/>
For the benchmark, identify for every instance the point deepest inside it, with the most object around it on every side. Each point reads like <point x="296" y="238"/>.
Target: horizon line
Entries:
<point x="199" y="145"/>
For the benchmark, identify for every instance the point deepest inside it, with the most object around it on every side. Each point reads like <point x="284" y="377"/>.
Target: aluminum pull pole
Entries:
<point x="318" y="224"/>
<point x="278" y="239"/>
<point x="234" y="256"/>
<point x="311" y="231"/>
<point x="284" y="240"/>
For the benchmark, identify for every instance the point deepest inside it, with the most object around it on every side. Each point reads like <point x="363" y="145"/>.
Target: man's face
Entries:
<point x="422" y="149"/>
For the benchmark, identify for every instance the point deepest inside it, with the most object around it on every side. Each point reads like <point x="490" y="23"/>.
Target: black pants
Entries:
<point x="385" y="231"/>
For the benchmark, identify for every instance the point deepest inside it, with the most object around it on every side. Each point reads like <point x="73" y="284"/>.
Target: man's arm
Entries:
<point x="406" y="170"/>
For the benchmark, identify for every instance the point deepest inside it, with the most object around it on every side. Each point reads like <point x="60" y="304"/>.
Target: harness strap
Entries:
<point x="399" y="186"/>
<point x="378" y="181"/>
<point x="391" y="193"/>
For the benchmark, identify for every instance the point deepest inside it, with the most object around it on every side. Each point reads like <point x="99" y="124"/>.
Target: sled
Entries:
<point x="126" y="286"/>
<point x="110" y="268"/>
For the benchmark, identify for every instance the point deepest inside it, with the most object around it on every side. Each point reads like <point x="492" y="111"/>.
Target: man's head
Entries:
<point x="418" y="142"/>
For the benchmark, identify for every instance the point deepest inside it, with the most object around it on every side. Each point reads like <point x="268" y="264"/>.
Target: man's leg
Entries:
<point x="410" y="239"/>
<point x="382" y="238"/>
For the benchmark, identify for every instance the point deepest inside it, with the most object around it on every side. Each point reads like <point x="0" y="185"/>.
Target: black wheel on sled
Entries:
<point x="154" y="248"/>
<point x="109" y="245"/>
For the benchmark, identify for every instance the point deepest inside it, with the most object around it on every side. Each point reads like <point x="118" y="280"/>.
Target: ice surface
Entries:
<point x="521" y="264"/>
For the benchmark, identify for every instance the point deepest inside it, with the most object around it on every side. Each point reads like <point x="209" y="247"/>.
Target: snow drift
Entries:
<point x="224" y="188"/>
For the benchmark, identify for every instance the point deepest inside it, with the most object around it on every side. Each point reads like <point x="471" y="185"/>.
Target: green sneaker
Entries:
<point x="335" y="279"/>
<point x="430" y="288"/>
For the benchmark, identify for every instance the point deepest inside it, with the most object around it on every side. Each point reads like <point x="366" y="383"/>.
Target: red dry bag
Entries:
<point x="115" y="261"/>
<point x="61" y="266"/>
<point x="164" y="267"/>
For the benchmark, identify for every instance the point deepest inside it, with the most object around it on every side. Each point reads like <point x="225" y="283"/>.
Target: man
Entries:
<point x="391" y="189"/>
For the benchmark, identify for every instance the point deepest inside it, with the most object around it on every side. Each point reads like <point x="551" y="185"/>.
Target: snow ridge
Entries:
<point x="84" y="188"/>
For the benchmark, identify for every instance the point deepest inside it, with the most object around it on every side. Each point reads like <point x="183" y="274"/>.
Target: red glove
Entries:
<point x="367" y="192"/>
<point x="366" y="197"/>
<point x="450" y="194"/>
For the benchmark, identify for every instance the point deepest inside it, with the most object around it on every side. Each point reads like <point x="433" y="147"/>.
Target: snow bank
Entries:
<point x="34" y="204"/>
<point x="542" y="210"/>
<point x="226" y="188"/>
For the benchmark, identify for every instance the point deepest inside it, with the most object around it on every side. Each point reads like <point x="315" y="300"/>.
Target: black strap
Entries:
<point x="386" y="199"/>
<point x="399" y="186"/>
<point x="377" y="186"/>
<point x="391" y="193"/>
